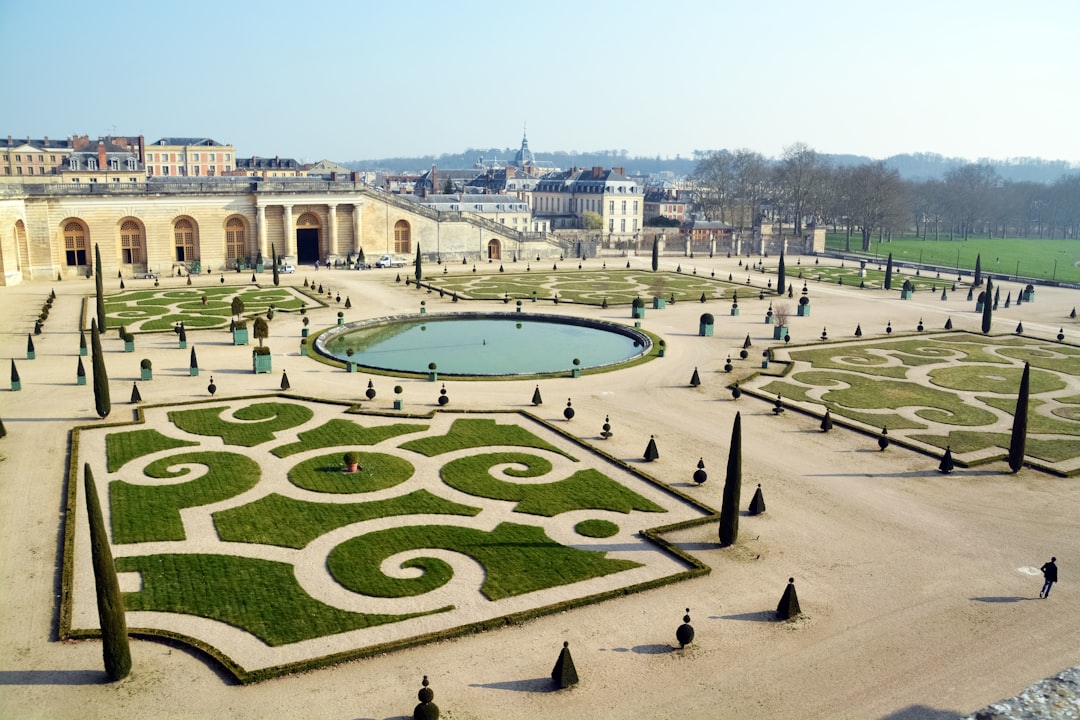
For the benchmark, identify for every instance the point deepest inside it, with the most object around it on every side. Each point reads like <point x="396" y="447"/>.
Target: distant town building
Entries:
<point x="506" y="210"/>
<point x="107" y="162"/>
<point x="563" y="199"/>
<point x="265" y="167"/>
<point x="189" y="157"/>
<point x="667" y="202"/>
<point x="25" y="158"/>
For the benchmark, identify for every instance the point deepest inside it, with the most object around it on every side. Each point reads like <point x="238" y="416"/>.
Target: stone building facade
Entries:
<point x="217" y="224"/>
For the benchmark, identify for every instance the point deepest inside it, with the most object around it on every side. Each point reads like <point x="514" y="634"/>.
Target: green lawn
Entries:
<point x="1000" y="256"/>
<point x="157" y="310"/>
<point x="475" y="433"/>
<point x="261" y="422"/>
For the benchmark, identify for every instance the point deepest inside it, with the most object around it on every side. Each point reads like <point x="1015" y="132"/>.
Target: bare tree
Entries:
<point x="798" y="177"/>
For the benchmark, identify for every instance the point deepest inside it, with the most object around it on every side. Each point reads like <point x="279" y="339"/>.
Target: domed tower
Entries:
<point x="523" y="160"/>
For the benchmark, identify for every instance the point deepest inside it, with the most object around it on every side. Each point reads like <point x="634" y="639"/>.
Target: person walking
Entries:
<point x="1049" y="571"/>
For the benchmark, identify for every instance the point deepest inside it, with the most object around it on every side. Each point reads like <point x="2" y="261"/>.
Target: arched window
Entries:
<point x="75" y="243"/>
<point x="131" y="247"/>
<point x="402" y="238"/>
<point x="234" y="240"/>
<point x="184" y="237"/>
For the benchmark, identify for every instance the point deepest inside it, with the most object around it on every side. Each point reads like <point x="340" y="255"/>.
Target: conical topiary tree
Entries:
<point x="536" y="399"/>
<point x="978" y="271"/>
<point x="3" y="430"/>
<point x="419" y="273"/>
<point x="946" y="466"/>
<point x="110" y="603"/>
<point x="695" y="380"/>
<point x="988" y="308"/>
<point x="781" y="276"/>
<point x="789" y="602"/>
<point x="564" y="674"/>
<point x="273" y="258"/>
<point x="1020" y="421"/>
<point x="655" y="255"/>
<point x="651" y="453"/>
<point x="757" y="503"/>
<point x="285" y="381"/>
<point x="136" y="396"/>
<point x="194" y="361"/>
<point x="729" y="511"/>
<point x="888" y="273"/>
<point x="99" y="288"/>
<point x="102" y="401"/>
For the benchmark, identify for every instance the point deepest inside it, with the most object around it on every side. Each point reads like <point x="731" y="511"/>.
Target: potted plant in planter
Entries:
<point x="146" y="369"/>
<point x="129" y="342"/>
<point x="780" y="321"/>
<point x="240" y="332"/>
<point x="352" y="461"/>
<point x="663" y="348"/>
<point x="350" y="366"/>
<point x="260" y="356"/>
<point x="705" y="325"/>
<point x="340" y="318"/>
<point x="397" y="396"/>
<point x="433" y="372"/>
<point x="637" y="309"/>
<point x="304" y="331"/>
<point x="576" y="371"/>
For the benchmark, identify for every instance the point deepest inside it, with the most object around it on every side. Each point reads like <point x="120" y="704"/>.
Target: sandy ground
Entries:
<point x="919" y="591"/>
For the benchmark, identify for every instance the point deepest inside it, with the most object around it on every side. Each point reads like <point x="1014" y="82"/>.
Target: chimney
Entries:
<point x="46" y="143"/>
<point x="597" y="171"/>
<point x="142" y="147"/>
<point x="434" y="181"/>
<point x="511" y="171"/>
<point x="333" y="176"/>
<point x="355" y="176"/>
<point x="101" y="162"/>
<point x="618" y="171"/>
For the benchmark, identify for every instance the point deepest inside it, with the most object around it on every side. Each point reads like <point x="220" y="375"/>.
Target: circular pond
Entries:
<point x="483" y="343"/>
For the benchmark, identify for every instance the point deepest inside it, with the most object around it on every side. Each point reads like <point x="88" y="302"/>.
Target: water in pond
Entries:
<point x="515" y="345"/>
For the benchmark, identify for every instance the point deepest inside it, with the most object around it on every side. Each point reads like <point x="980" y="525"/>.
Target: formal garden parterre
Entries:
<point x="159" y="309"/>
<point x="947" y="390"/>
<point x="237" y="529"/>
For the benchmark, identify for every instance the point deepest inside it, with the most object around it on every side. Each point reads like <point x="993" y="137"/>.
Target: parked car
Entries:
<point x="390" y="261"/>
<point x="286" y="268"/>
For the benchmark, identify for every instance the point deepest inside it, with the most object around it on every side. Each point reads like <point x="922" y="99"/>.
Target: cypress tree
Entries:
<point x="978" y="271"/>
<point x="655" y="254"/>
<point x="102" y="402"/>
<point x="781" y="276"/>
<point x="99" y="287"/>
<point x="110" y="603"/>
<point x="273" y="256"/>
<point x="988" y="307"/>
<point x="729" y="511"/>
<point x="888" y="273"/>
<point x="419" y="269"/>
<point x="1020" y="419"/>
<point x="82" y="342"/>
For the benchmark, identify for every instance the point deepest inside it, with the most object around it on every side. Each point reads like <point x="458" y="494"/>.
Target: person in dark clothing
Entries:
<point x="1049" y="571"/>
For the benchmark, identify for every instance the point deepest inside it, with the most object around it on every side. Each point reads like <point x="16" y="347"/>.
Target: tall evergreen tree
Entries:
<point x="99" y="287"/>
<point x="110" y="603"/>
<point x="729" y="511"/>
<point x="988" y="307"/>
<point x="781" y="276"/>
<point x="1020" y="420"/>
<point x="888" y="273"/>
<point x="419" y="269"/>
<point x="102" y="402"/>
<point x="273" y="258"/>
<point x="978" y="271"/>
<point x="655" y="254"/>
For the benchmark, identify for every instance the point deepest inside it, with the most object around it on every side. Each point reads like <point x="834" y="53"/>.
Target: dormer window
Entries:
<point x="131" y="163"/>
<point x="91" y="163"/>
<point x="73" y="163"/>
<point x="114" y="164"/>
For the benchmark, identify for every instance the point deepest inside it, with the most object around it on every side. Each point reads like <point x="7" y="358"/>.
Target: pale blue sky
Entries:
<point x="353" y="80"/>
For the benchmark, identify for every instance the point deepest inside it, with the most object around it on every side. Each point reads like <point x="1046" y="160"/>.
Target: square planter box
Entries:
<point x="84" y="351"/>
<point x="768" y="319"/>
<point x="804" y="311"/>
<point x="30" y="354"/>
<point x="304" y="350"/>
<point x="240" y="336"/>
<point x="129" y="346"/>
<point x="978" y="307"/>
<point x="638" y="313"/>
<point x="575" y="372"/>
<point x="734" y="311"/>
<point x="259" y="267"/>
<point x="397" y="404"/>
<point x="194" y="372"/>
<point x="1029" y="296"/>
<point x="659" y="303"/>
<point x="80" y="379"/>
<point x="16" y="385"/>
<point x="183" y="344"/>
<point x="146" y="373"/>
<point x="704" y="330"/>
<point x="905" y="294"/>
<point x="261" y="363"/>
<point x="350" y="366"/>
<point x="779" y="332"/>
<point x="304" y="333"/>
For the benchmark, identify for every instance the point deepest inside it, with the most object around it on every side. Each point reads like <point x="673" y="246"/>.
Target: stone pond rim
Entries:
<point x="639" y="343"/>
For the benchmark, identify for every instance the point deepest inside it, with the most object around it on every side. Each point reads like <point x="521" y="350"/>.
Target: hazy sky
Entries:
<point x="354" y="80"/>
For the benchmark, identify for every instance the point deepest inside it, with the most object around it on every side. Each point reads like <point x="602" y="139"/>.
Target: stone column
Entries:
<point x="290" y="231"/>
<point x="357" y="241"/>
<point x="332" y="250"/>
<point x="260" y="232"/>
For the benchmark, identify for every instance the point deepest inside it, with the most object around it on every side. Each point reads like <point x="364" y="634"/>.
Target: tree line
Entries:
<point x="805" y="188"/>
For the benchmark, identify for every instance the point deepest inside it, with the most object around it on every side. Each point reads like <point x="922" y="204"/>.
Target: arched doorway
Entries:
<point x="235" y="242"/>
<point x="23" y="249"/>
<point x="132" y="250"/>
<point x="184" y="241"/>
<point x="75" y="244"/>
<point x="494" y="249"/>
<point x="307" y="239"/>
<point x="402" y="237"/>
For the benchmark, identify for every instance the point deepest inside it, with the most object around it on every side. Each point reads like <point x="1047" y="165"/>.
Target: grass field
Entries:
<point x="1000" y="256"/>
